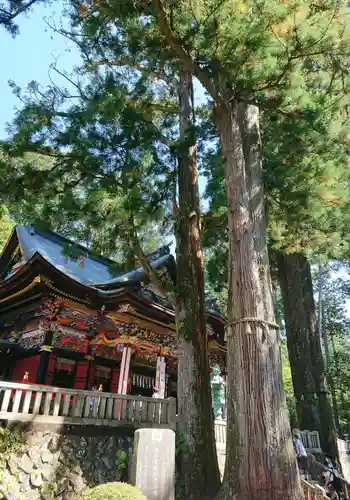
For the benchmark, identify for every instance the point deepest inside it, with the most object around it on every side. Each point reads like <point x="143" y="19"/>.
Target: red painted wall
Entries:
<point x="81" y="374"/>
<point x="30" y="365"/>
<point x="51" y="369"/>
<point x="115" y="381"/>
<point x="92" y="377"/>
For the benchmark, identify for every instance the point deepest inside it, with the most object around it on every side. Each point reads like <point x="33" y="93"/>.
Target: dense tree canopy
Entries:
<point x="92" y="163"/>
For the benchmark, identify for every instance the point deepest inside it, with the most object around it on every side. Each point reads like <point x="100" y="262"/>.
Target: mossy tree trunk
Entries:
<point x="313" y="404"/>
<point x="198" y="461"/>
<point x="260" y="461"/>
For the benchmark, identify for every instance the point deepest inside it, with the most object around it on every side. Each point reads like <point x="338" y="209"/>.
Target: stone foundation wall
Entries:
<point x="59" y="463"/>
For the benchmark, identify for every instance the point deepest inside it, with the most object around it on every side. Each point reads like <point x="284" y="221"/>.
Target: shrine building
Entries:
<point x="74" y="323"/>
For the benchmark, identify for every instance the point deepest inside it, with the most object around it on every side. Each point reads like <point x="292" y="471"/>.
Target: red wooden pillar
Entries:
<point x="124" y="374"/>
<point x="124" y="370"/>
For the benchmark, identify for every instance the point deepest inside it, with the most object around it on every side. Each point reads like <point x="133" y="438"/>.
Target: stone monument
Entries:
<point x="153" y="463"/>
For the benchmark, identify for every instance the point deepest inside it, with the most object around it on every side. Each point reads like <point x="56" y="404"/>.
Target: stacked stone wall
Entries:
<point x="45" y="463"/>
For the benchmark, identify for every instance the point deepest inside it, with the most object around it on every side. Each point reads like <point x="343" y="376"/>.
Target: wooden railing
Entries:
<point x="316" y="469"/>
<point x="35" y="403"/>
<point x="313" y="491"/>
<point x="311" y="441"/>
<point x="220" y="433"/>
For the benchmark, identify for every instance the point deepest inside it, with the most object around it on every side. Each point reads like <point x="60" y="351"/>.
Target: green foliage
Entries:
<point x="122" y="460"/>
<point x="114" y="491"/>
<point x="306" y="181"/>
<point x="48" y="491"/>
<point x="6" y="226"/>
<point x="11" y="441"/>
<point x="336" y="326"/>
<point x="117" y="132"/>
<point x="113" y="181"/>
<point x="288" y="385"/>
<point x="270" y="50"/>
<point x="10" y="10"/>
<point x="306" y="176"/>
<point x="180" y="443"/>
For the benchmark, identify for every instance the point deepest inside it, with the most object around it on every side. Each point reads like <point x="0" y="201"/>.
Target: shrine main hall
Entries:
<point x="75" y="324"/>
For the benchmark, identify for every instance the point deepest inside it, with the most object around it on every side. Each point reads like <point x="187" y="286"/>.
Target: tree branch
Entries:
<point x="142" y="257"/>
<point x="179" y="51"/>
<point x="156" y="75"/>
<point x="6" y="16"/>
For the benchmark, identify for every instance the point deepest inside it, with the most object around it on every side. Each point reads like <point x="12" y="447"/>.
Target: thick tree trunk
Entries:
<point x="198" y="461"/>
<point x="304" y="347"/>
<point x="260" y="460"/>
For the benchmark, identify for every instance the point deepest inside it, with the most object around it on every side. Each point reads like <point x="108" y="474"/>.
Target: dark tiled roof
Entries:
<point x="91" y="269"/>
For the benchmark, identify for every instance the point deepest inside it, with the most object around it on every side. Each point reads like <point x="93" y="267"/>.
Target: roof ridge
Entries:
<point x="59" y="238"/>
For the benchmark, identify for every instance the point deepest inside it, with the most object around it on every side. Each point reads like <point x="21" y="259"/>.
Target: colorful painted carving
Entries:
<point x="134" y="342"/>
<point x="51" y="308"/>
<point x="33" y="339"/>
<point x="75" y="343"/>
<point x="105" y="351"/>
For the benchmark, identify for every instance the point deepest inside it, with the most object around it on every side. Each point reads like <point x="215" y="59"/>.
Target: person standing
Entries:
<point x="157" y="407"/>
<point x="156" y="394"/>
<point x="301" y="453"/>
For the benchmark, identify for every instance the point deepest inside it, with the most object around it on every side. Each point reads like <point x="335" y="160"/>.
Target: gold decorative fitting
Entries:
<point x="62" y="294"/>
<point x="46" y="348"/>
<point x="31" y="285"/>
<point x="126" y="308"/>
<point x="88" y="357"/>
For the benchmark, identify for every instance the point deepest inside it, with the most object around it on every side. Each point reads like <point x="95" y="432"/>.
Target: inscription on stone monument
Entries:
<point x="153" y="463"/>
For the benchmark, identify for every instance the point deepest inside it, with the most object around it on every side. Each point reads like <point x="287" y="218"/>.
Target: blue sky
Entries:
<point x="28" y="56"/>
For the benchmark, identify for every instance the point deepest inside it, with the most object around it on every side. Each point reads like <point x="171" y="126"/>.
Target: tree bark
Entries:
<point x="260" y="460"/>
<point x="321" y="331"/>
<point x="314" y="409"/>
<point x="198" y="460"/>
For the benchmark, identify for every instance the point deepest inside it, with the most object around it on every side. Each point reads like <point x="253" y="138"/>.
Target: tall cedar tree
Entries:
<point x="111" y="170"/>
<point x="199" y="469"/>
<point x="312" y="219"/>
<point x="314" y="408"/>
<point x="306" y="176"/>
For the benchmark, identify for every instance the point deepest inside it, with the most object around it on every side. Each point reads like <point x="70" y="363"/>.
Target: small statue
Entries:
<point x="25" y="377"/>
<point x="100" y="389"/>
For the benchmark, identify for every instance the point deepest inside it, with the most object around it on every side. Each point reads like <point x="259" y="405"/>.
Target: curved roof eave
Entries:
<point x="135" y="276"/>
<point x="38" y="265"/>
